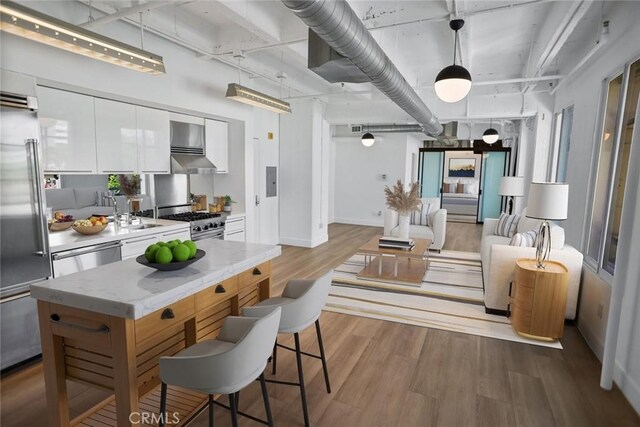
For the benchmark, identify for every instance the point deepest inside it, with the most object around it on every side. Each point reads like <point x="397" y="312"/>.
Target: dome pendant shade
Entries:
<point x="368" y="139"/>
<point x="453" y="83"/>
<point x="490" y="136"/>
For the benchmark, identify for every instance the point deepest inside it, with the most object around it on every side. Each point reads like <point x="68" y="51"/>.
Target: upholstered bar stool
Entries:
<point x="226" y="364"/>
<point x="301" y="302"/>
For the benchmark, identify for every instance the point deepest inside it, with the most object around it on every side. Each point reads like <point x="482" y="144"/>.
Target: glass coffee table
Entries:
<point x="395" y="265"/>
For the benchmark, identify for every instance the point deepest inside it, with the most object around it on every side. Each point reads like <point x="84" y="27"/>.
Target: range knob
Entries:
<point x="222" y="224"/>
<point x="215" y="225"/>
<point x="197" y="228"/>
<point x="206" y="227"/>
<point x="211" y="225"/>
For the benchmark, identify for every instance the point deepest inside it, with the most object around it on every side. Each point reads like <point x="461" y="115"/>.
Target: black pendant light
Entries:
<point x="490" y="136"/>
<point x="368" y="139"/>
<point x="453" y="82"/>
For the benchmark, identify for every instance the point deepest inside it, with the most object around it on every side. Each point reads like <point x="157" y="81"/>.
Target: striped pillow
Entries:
<point x="421" y="216"/>
<point x="507" y="225"/>
<point x="526" y="239"/>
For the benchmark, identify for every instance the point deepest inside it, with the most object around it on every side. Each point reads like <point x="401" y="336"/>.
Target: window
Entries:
<point x="621" y="102"/>
<point x="563" y="144"/>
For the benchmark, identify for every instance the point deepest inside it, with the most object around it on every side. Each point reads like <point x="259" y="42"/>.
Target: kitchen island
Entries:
<point x="109" y="326"/>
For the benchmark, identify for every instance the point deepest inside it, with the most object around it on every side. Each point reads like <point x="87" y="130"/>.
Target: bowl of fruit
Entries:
<point x="170" y="256"/>
<point x="60" y="222"/>
<point x="93" y="225"/>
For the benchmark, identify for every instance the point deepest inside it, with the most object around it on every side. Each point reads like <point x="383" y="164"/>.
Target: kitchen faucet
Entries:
<point x="116" y="217"/>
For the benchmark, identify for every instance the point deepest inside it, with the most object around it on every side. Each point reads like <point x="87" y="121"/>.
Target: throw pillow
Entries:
<point x="526" y="239"/>
<point x="460" y="188"/>
<point x="506" y="225"/>
<point x="421" y="216"/>
<point x="446" y="187"/>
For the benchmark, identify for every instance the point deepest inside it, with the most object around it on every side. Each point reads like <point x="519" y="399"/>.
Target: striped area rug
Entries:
<point x="450" y="298"/>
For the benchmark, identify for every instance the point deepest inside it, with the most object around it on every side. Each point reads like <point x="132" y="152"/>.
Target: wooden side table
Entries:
<point x="539" y="299"/>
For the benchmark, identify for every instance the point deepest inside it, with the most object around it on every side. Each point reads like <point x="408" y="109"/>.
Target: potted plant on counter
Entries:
<point x="130" y="187"/>
<point x="227" y="203"/>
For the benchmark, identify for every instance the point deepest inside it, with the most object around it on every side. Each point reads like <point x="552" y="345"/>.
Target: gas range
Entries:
<point x="204" y="225"/>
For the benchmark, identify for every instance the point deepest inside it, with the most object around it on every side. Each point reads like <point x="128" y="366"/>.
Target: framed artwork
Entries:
<point x="462" y="168"/>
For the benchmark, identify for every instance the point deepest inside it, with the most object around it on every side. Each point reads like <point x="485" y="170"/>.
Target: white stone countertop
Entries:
<point x="131" y="290"/>
<point x="71" y="239"/>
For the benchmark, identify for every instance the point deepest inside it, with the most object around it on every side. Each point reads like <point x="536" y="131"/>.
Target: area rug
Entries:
<point x="450" y="298"/>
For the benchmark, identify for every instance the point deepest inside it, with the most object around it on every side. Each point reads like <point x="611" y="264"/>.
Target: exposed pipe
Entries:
<point x="392" y="128"/>
<point x="337" y="24"/>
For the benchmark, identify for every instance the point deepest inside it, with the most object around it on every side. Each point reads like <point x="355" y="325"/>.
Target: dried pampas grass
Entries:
<point x="402" y="201"/>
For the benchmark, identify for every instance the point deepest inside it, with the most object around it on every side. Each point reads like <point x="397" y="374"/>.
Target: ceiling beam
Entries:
<point x="561" y="28"/>
<point x="123" y="13"/>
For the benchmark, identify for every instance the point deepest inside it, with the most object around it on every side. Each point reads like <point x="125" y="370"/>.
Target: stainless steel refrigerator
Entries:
<point x="24" y="256"/>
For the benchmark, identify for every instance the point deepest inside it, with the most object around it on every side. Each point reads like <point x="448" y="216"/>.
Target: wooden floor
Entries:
<point x="390" y="374"/>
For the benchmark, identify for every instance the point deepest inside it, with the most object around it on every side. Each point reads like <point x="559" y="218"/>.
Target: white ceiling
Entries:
<point x="500" y="40"/>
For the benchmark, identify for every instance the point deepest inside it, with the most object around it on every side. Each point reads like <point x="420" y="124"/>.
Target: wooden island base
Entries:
<point x="122" y="355"/>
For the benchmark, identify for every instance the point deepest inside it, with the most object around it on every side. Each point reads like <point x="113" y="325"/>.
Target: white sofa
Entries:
<point x="77" y="202"/>
<point x="499" y="261"/>
<point x="436" y="232"/>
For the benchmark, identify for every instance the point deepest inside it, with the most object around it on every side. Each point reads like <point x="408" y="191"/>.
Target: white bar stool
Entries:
<point x="224" y="365"/>
<point x="302" y="301"/>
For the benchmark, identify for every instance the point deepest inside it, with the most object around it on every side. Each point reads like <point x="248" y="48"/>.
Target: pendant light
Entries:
<point x="368" y="139"/>
<point x="490" y="136"/>
<point x="453" y="82"/>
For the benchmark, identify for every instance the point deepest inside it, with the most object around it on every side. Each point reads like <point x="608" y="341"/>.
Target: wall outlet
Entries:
<point x="600" y="311"/>
<point x="379" y="213"/>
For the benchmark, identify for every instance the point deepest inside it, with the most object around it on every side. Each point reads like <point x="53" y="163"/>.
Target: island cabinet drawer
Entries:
<point x="164" y="318"/>
<point x="254" y="275"/>
<point x="216" y="293"/>
<point x="85" y="326"/>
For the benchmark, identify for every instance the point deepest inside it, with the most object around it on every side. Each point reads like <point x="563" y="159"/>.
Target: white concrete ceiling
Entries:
<point x="501" y="40"/>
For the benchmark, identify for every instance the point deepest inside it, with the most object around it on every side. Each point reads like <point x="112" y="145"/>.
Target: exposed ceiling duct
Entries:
<point x="449" y="133"/>
<point x="338" y="25"/>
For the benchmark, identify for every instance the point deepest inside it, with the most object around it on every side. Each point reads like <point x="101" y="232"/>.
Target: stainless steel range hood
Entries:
<point x="188" y="149"/>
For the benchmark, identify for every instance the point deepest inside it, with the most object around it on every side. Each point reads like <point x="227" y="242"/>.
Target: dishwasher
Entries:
<point x="85" y="258"/>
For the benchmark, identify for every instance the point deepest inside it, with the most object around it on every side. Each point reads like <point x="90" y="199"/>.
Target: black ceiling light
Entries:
<point x="490" y="135"/>
<point x="453" y="82"/>
<point x="368" y="139"/>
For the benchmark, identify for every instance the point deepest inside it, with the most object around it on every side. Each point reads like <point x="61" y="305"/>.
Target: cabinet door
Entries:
<point x="154" y="151"/>
<point x="67" y="131"/>
<point x="116" y="137"/>
<point x="216" y="134"/>
<point x="184" y="234"/>
<point x="234" y="236"/>
<point x="131" y="248"/>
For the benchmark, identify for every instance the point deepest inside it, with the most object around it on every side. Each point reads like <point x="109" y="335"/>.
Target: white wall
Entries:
<point x="584" y="90"/>
<point x="304" y="175"/>
<point x="358" y="182"/>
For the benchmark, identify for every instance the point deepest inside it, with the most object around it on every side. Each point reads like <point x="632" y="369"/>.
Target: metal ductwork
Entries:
<point x="338" y="25"/>
<point x="391" y="128"/>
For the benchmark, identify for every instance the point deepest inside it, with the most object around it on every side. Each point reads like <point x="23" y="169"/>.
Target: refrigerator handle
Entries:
<point x="33" y="145"/>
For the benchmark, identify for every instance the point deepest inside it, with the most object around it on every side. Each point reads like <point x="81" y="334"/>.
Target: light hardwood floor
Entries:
<point x="385" y="374"/>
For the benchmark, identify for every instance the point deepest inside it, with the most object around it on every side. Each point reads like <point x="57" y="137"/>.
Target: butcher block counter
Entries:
<point x="109" y="326"/>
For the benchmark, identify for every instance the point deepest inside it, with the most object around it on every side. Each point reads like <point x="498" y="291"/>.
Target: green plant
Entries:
<point x="129" y="185"/>
<point x="113" y="184"/>
<point x="228" y="200"/>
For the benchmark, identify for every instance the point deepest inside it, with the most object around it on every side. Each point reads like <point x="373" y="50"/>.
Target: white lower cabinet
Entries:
<point x="132" y="248"/>
<point x="234" y="229"/>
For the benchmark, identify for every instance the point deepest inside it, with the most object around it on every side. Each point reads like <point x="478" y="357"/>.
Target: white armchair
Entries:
<point x="499" y="261"/>
<point x="436" y="232"/>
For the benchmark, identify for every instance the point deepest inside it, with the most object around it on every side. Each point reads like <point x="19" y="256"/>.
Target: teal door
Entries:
<point x="431" y="173"/>
<point x="493" y="168"/>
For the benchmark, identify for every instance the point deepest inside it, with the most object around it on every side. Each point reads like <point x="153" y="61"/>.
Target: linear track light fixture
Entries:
<point x="28" y="23"/>
<point x="453" y="83"/>
<point x="257" y="99"/>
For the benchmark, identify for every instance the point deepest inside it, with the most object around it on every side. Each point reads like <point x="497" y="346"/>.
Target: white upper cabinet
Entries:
<point x="116" y="137"/>
<point x="67" y="131"/>
<point x="154" y="149"/>
<point x="216" y="134"/>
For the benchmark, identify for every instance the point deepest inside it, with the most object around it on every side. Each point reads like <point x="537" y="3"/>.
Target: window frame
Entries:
<point x="598" y="265"/>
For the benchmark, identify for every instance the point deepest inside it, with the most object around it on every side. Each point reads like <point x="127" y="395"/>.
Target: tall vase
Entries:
<point x="403" y="226"/>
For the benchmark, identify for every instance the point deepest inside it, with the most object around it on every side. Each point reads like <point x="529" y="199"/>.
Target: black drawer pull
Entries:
<point x="220" y="289"/>
<point x="257" y="272"/>
<point x="508" y="311"/>
<point x="167" y="314"/>
<point x="102" y="329"/>
<point x="510" y="286"/>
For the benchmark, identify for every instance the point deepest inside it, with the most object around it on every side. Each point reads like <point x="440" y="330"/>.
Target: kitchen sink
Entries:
<point x="141" y="226"/>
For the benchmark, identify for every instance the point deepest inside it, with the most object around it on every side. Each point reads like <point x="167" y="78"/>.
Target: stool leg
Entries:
<point x="265" y="397"/>
<point x="238" y="400"/>
<point x="275" y="357"/>
<point x="234" y="410"/>
<point x="303" y="395"/>
<point x="211" y="410"/>
<point x="163" y="404"/>
<point x="322" y="356"/>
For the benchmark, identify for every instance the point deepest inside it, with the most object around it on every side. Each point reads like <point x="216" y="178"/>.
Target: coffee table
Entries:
<point x="395" y="265"/>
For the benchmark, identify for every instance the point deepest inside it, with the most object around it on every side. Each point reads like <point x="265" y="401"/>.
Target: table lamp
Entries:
<point x="548" y="201"/>
<point x="511" y="186"/>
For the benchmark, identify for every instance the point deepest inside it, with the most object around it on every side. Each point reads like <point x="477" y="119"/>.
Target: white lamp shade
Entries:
<point x="452" y="90"/>
<point x="548" y="201"/>
<point x="368" y="139"/>
<point x="511" y="186"/>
